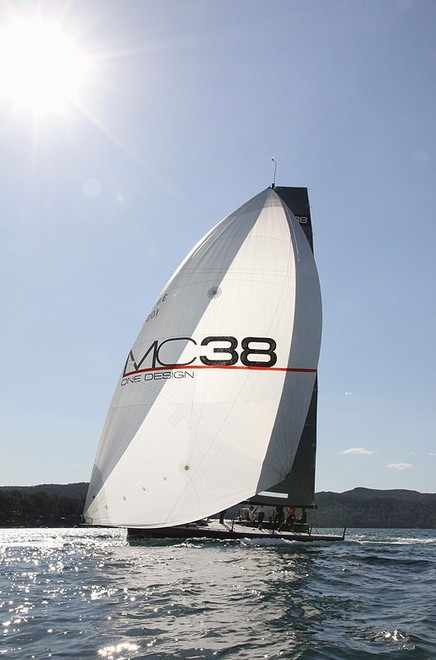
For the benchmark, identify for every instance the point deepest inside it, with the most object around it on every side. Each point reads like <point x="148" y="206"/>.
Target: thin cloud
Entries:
<point x="399" y="466"/>
<point x="360" y="451"/>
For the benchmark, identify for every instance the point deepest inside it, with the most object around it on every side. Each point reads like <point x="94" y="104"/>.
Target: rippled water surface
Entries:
<point x="85" y="593"/>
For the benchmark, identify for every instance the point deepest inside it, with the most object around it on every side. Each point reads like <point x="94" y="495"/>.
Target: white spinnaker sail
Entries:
<point x="212" y="401"/>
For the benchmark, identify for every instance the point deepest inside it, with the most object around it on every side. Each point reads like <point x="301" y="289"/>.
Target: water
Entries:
<point x="79" y="593"/>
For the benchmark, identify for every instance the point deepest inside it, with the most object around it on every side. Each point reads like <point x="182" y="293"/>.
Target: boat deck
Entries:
<point x="229" y="529"/>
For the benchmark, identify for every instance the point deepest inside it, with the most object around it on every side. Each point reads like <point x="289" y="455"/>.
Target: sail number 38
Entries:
<point x="249" y="355"/>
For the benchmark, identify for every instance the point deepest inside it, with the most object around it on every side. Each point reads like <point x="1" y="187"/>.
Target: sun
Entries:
<point x="41" y="67"/>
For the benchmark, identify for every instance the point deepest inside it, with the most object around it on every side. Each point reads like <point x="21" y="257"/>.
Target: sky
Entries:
<point x="172" y="119"/>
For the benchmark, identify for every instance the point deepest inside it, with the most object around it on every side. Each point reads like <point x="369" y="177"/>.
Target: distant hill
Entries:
<point x="61" y="505"/>
<point x="47" y="505"/>
<point x="366" y="507"/>
<point x="76" y="491"/>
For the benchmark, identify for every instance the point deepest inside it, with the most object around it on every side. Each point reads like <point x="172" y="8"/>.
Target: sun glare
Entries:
<point x="41" y="69"/>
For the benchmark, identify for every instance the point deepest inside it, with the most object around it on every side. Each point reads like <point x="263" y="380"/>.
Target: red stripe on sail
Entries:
<point x="218" y="366"/>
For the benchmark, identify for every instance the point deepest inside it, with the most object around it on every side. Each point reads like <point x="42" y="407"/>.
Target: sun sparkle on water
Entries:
<point x="41" y="69"/>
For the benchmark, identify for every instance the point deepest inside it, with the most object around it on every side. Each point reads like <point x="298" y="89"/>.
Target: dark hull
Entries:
<point x="225" y="531"/>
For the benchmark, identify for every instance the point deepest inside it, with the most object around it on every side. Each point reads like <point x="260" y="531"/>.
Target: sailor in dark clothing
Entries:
<point x="260" y="515"/>
<point x="278" y="515"/>
<point x="303" y="517"/>
<point x="289" y="520"/>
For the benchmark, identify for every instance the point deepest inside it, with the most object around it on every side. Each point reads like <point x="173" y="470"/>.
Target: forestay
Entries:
<point x="211" y="403"/>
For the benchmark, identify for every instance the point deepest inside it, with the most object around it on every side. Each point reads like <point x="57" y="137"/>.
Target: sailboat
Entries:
<point x="215" y="407"/>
